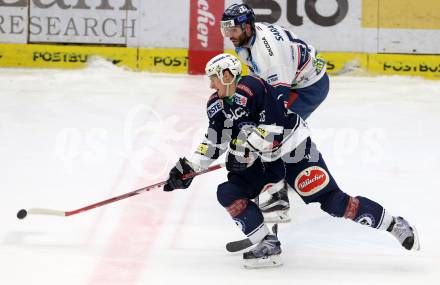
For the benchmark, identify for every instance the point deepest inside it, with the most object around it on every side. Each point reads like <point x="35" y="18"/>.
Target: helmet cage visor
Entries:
<point x="233" y="25"/>
<point x="229" y="29"/>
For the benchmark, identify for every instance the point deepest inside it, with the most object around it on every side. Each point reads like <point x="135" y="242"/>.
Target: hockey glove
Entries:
<point x="239" y="158"/>
<point x="175" y="180"/>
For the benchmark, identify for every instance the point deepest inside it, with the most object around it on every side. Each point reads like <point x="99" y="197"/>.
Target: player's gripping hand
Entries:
<point x="175" y="180"/>
<point x="239" y="158"/>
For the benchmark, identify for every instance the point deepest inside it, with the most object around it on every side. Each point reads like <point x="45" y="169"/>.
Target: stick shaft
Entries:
<point x="42" y="211"/>
<point x="115" y="199"/>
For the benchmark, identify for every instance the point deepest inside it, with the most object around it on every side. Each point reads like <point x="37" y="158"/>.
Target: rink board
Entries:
<point x="69" y="57"/>
<point x="176" y="60"/>
<point x="427" y="66"/>
<point x="59" y="56"/>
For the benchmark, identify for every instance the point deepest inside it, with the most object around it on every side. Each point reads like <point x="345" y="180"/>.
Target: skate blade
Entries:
<point x="277" y="217"/>
<point x="276" y="220"/>
<point x="416" y="245"/>
<point x="268" y="262"/>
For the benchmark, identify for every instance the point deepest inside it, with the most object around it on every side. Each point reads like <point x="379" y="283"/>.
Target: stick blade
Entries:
<point x="238" y="245"/>
<point x="46" y="212"/>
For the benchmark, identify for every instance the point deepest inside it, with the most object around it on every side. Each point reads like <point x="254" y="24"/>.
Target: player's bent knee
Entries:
<point x="237" y="207"/>
<point x="222" y="195"/>
<point x="335" y="203"/>
<point x="227" y="193"/>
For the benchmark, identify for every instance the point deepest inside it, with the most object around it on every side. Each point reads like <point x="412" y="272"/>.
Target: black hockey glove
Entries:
<point x="239" y="158"/>
<point x="175" y="180"/>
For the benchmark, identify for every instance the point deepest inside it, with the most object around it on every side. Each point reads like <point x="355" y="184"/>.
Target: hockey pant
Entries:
<point x="304" y="101"/>
<point x="310" y="178"/>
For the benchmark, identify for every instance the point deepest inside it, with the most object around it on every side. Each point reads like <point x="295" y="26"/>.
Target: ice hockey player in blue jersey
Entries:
<point x="289" y="64"/>
<point x="265" y="144"/>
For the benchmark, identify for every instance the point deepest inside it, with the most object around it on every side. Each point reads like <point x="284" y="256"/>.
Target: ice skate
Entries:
<point x="266" y="254"/>
<point x="276" y="208"/>
<point x="405" y="234"/>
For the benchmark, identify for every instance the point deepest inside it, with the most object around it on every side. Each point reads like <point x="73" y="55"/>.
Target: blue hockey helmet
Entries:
<point x="237" y="15"/>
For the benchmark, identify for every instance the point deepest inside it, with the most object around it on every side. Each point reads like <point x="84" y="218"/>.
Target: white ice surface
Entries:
<point x="72" y="138"/>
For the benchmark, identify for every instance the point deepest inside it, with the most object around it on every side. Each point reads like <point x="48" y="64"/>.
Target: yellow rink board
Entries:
<point x="340" y="62"/>
<point x="176" y="60"/>
<point x="63" y="56"/>
<point x="69" y="56"/>
<point x="163" y="60"/>
<point x="427" y="66"/>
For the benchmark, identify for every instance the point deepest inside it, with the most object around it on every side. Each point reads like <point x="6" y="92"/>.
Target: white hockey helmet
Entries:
<point x="224" y="61"/>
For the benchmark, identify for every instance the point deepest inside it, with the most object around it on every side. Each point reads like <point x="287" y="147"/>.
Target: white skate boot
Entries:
<point x="266" y="254"/>
<point x="405" y="234"/>
<point x="276" y="208"/>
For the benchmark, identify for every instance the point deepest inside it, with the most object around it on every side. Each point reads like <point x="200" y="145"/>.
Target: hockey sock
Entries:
<point x="249" y="219"/>
<point x="359" y="209"/>
<point x="367" y="212"/>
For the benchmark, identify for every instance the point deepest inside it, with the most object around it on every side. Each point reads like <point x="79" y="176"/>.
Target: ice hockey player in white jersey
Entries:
<point x="265" y="144"/>
<point x="286" y="62"/>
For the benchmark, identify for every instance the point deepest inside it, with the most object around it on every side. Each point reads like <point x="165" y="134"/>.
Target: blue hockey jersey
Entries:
<point x="254" y="115"/>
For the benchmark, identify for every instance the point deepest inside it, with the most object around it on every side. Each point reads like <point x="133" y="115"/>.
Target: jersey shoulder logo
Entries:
<point x="245" y="89"/>
<point x="240" y="100"/>
<point x="277" y="35"/>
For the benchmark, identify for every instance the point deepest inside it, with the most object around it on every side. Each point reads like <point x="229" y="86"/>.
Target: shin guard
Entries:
<point x="359" y="209"/>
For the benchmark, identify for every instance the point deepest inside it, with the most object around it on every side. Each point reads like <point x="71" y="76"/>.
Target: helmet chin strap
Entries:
<point x="227" y="85"/>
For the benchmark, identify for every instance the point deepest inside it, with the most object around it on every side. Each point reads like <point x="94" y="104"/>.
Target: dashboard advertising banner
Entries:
<point x="13" y="22"/>
<point x="83" y="21"/>
<point x="328" y="25"/>
<point x="205" y="39"/>
<point x="371" y="26"/>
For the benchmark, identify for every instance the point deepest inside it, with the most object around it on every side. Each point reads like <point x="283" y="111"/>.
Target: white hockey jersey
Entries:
<point x="279" y="57"/>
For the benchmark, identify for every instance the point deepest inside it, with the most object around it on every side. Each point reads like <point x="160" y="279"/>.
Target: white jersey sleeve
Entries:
<point x="279" y="57"/>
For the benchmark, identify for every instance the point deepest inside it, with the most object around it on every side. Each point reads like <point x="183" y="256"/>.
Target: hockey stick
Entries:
<point x="42" y="211"/>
